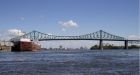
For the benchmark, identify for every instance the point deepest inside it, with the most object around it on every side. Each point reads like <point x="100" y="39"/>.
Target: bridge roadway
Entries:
<point x="99" y="35"/>
<point x="100" y="41"/>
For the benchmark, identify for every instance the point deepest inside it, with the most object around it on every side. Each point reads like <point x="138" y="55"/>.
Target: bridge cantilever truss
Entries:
<point x="99" y="35"/>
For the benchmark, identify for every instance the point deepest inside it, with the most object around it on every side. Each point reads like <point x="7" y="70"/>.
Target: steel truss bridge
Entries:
<point x="99" y="35"/>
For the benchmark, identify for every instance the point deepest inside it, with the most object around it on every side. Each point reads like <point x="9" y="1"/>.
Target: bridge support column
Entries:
<point x="126" y="44"/>
<point x="101" y="44"/>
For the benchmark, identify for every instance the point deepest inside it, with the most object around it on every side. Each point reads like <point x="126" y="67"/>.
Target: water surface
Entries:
<point x="70" y="62"/>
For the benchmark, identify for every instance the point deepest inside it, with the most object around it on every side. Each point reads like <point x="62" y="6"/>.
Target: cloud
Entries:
<point x="63" y="29"/>
<point x="15" y="32"/>
<point x="22" y="18"/>
<point x="68" y="24"/>
<point x="133" y="37"/>
<point x="49" y="33"/>
<point x="11" y="33"/>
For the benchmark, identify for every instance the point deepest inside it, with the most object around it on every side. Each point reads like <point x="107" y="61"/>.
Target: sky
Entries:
<point x="71" y="17"/>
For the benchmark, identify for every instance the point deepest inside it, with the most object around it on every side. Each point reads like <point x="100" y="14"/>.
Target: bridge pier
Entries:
<point x="101" y="44"/>
<point x="126" y="44"/>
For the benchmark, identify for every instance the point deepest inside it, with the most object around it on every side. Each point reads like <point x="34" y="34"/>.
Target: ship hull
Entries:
<point x="25" y="46"/>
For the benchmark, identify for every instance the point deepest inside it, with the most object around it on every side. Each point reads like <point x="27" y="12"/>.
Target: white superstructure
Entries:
<point x="25" y="40"/>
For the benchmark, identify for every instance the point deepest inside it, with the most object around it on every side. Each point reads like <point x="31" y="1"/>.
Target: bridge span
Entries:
<point x="99" y="35"/>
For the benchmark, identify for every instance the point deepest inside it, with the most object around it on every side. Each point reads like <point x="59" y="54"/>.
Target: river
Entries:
<point x="70" y="62"/>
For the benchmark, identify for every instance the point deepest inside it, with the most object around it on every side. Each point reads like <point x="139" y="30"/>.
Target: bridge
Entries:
<point x="99" y="35"/>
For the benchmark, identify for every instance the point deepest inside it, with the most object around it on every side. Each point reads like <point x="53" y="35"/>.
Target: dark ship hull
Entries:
<point x="25" y="46"/>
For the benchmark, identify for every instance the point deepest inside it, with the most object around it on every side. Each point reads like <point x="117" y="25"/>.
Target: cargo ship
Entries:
<point x="25" y="45"/>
